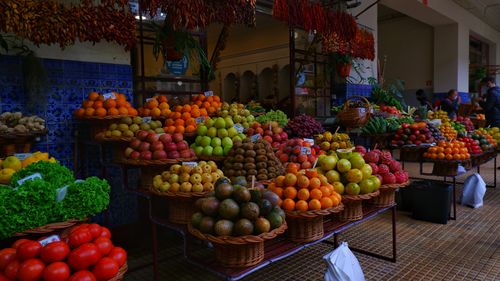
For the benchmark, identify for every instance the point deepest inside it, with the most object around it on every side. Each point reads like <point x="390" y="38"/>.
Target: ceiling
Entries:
<point x="487" y="10"/>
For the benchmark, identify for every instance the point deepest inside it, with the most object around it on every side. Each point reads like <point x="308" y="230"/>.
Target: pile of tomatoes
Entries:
<point x="87" y="254"/>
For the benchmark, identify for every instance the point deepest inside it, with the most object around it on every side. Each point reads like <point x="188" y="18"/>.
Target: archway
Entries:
<point x="266" y="84"/>
<point x="248" y="87"/>
<point x="229" y="91"/>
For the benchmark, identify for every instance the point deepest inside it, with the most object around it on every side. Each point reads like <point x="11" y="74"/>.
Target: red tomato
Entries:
<point x="80" y="237"/>
<point x="6" y="256"/>
<point x="28" y="250"/>
<point x="105" y="232"/>
<point x="11" y="269"/>
<point x="104" y="244"/>
<point x="3" y="277"/>
<point x="57" y="271"/>
<point x="95" y="230"/>
<point x="81" y="226"/>
<point x="55" y="251"/>
<point x="30" y="270"/>
<point x="19" y="242"/>
<point x="82" y="275"/>
<point x="84" y="256"/>
<point x="105" y="269"/>
<point x="119" y="255"/>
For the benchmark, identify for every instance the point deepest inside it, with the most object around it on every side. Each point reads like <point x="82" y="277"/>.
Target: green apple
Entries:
<point x="218" y="151"/>
<point x="352" y="189"/>
<point x="231" y="132"/>
<point x="376" y="182"/>
<point x="207" y="151"/>
<point x="242" y="136"/>
<point x="165" y="186"/>
<point x="220" y="123"/>
<point x="198" y="139"/>
<point x="227" y="142"/>
<point x="366" y="186"/>
<point x="250" y="119"/>
<point x="216" y="142"/>
<point x="354" y="175"/>
<point x="237" y="138"/>
<point x="227" y="149"/>
<point x="357" y="162"/>
<point x="198" y="150"/>
<point x="209" y="122"/>
<point x="327" y="163"/>
<point x="222" y="133"/>
<point x="202" y="130"/>
<point x="367" y="171"/>
<point x="229" y="122"/>
<point x="343" y="165"/>
<point x="339" y="187"/>
<point x="332" y="176"/>
<point x="224" y="113"/>
<point x="205" y="141"/>
<point x="212" y="132"/>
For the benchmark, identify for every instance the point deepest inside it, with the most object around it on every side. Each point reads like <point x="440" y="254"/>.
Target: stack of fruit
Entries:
<point x="210" y="104"/>
<point x="255" y="108"/>
<point x="249" y="159"/>
<point x="304" y="191"/>
<point x="484" y="133"/>
<point x="495" y="134"/>
<point x="129" y="126"/>
<point x="303" y="126"/>
<point x="216" y="137"/>
<point x="185" y="119"/>
<point x="238" y="211"/>
<point x="12" y="164"/>
<point x="435" y="132"/>
<point x="453" y="150"/>
<point x="155" y="107"/>
<point x="278" y="116"/>
<point x="413" y="134"/>
<point x="473" y="146"/>
<point x="469" y="127"/>
<point x="238" y="113"/>
<point x="440" y="114"/>
<point x="151" y="146"/>
<point x="385" y="168"/>
<point x="298" y="151"/>
<point x="448" y="131"/>
<point x="112" y="104"/>
<point x="331" y="142"/>
<point x="87" y="254"/>
<point x="459" y="127"/>
<point x="390" y="109"/>
<point x="188" y="178"/>
<point x="270" y="132"/>
<point x="15" y="122"/>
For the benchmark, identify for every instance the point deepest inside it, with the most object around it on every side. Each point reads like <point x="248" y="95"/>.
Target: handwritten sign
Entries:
<point x="22" y="156"/>
<point x="31" y="177"/>
<point x="209" y="93"/>
<point x="255" y="137"/>
<point x="305" y="150"/>
<point x="109" y="96"/>
<point x="146" y="119"/>
<point x="50" y="239"/>
<point x="239" y="128"/>
<point x="61" y="193"/>
<point x="148" y="99"/>
<point x="310" y="141"/>
<point x="200" y="119"/>
<point x="190" y="164"/>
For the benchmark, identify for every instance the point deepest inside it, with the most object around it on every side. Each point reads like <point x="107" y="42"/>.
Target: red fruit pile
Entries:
<point x="417" y="134"/>
<point x="87" y="254"/>
<point x="151" y="146"/>
<point x="303" y="126"/>
<point x="387" y="169"/>
<point x="270" y="132"/>
<point x="469" y="127"/>
<point x="298" y="151"/>
<point x="390" y="109"/>
<point x="473" y="146"/>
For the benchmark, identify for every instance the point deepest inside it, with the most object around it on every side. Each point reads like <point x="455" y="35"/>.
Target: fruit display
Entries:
<point x="187" y="178"/>
<point x="439" y="114"/>
<point x="235" y="210"/>
<point x="278" y="116"/>
<point x="216" y="137"/>
<point x="238" y="113"/>
<point x="185" y="119"/>
<point x="480" y="117"/>
<point x="304" y="191"/>
<point x="210" y="104"/>
<point x="390" y="109"/>
<point x="17" y="123"/>
<point x="255" y="108"/>
<point x="413" y="134"/>
<point x="448" y="131"/>
<point x="459" y="127"/>
<point x="435" y="132"/>
<point x="130" y="126"/>
<point x="448" y="150"/>
<point x="298" y="151"/>
<point x="385" y="168"/>
<point x="495" y="134"/>
<point x="331" y="142"/>
<point x="379" y="125"/>
<point x="473" y="146"/>
<point x="155" y="107"/>
<point x="151" y="146"/>
<point x="269" y="131"/>
<point x="303" y="126"/>
<point x="484" y="133"/>
<point x="469" y="127"/>
<point x="12" y="164"/>
<point x="248" y="159"/>
<point x="86" y="254"/>
<point x="112" y="104"/>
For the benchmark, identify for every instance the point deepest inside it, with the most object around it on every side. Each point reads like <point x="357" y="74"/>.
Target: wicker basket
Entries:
<point x="212" y="158"/>
<point x="18" y="142"/>
<point x="308" y="226"/>
<point x="354" y="117"/>
<point x="387" y="195"/>
<point x="49" y="228"/>
<point x="101" y="137"/>
<point x="101" y="124"/>
<point x="121" y="273"/>
<point x="353" y="207"/>
<point x="180" y="204"/>
<point x="412" y="153"/>
<point x="241" y="251"/>
<point x="448" y="168"/>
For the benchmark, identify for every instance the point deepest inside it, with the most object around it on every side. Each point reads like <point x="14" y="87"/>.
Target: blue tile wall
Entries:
<point x="346" y="90"/>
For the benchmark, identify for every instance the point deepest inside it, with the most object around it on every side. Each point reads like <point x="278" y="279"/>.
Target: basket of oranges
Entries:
<point x="447" y="156"/>
<point x="307" y="197"/>
<point x="156" y="107"/>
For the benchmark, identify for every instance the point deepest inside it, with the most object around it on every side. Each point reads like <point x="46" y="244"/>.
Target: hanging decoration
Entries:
<point x="192" y="14"/>
<point x="51" y="22"/>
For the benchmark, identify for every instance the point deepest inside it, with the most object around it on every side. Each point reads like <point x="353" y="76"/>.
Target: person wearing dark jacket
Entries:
<point x="451" y="103"/>
<point x="491" y="102"/>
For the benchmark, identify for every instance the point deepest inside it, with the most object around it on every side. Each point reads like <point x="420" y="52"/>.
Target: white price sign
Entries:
<point x="200" y="119"/>
<point x="22" y="156"/>
<point x="50" y="239"/>
<point x="305" y="150"/>
<point x="109" y="96"/>
<point x="146" y="119"/>
<point x="209" y="93"/>
<point x="239" y="128"/>
<point x="310" y="141"/>
<point x="31" y="177"/>
<point x="190" y="164"/>
<point x="255" y="137"/>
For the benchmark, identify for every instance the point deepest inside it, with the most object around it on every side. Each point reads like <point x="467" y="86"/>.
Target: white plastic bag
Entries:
<point x="343" y="265"/>
<point x="473" y="193"/>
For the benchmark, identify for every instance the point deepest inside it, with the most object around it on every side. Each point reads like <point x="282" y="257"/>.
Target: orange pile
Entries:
<point x="210" y="103"/>
<point x="156" y="106"/>
<point x="96" y="105"/>
<point x="183" y="119"/>
<point x="448" y="131"/>
<point x="454" y="150"/>
<point x="305" y="190"/>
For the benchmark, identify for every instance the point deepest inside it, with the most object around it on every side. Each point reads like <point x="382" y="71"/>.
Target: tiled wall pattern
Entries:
<point x="347" y="90"/>
<point x="69" y="84"/>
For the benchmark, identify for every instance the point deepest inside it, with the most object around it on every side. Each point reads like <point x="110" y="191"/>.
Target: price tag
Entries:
<point x="190" y="164"/>
<point x="31" y="177"/>
<point x="146" y="119"/>
<point x="200" y="119"/>
<point x="148" y="99"/>
<point x="270" y="126"/>
<point x="109" y="96"/>
<point x="209" y="93"/>
<point x="305" y="150"/>
<point x="22" y="156"/>
<point x="61" y="193"/>
<point x="239" y="128"/>
<point x="255" y="137"/>
<point x="315" y="162"/>
<point x="310" y="141"/>
<point x="50" y="239"/>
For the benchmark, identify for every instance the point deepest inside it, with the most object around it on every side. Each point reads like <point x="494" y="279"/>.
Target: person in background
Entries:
<point x="423" y="100"/>
<point x="491" y="102"/>
<point x="450" y="104"/>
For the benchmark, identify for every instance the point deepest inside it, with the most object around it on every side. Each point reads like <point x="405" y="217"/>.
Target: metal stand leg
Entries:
<point x="155" y="251"/>
<point x="454" y="200"/>
<point x="394" y="241"/>
<point x="335" y="240"/>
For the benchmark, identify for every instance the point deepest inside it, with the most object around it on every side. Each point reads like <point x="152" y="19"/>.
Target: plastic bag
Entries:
<point x="474" y="190"/>
<point x="343" y="265"/>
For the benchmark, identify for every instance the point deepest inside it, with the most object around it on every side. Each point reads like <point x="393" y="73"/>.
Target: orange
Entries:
<point x="456" y="150"/>
<point x="303" y="194"/>
<point x="180" y="129"/>
<point x="216" y="98"/>
<point x="314" y="183"/>
<point x="335" y="200"/>
<point x="146" y="112"/>
<point x="186" y="108"/>
<point x="301" y="206"/>
<point x="155" y="112"/>
<point x="162" y="99"/>
<point x="88" y="103"/>
<point x="290" y="192"/>
<point x="288" y="205"/>
<point x="170" y="129"/>
<point x="195" y="113"/>
<point x="211" y="110"/>
<point x="153" y="103"/>
<point x="164" y="105"/>
<point x="316" y="194"/>
<point x="449" y="157"/>
<point x="79" y="112"/>
<point x="122" y="111"/>
<point x="179" y="122"/>
<point x="302" y="181"/>
<point x="279" y="181"/>
<point x="165" y="112"/>
<point x="113" y="111"/>
<point x="190" y="121"/>
<point x="448" y="151"/>
<point x="101" y="112"/>
<point x="132" y="111"/>
<point x="93" y="96"/>
<point x="186" y="115"/>
<point x="203" y="112"/>
<point x="109" y="103"/>
<point x="457" y="156"/>
<point x="89" y="112"/>
<point x="206" y="104"/>
<point x="121" y="103"/>
<point x="325" y="191"/>
<point x="314" y="204"/>
<point x="177" y="115"/>
<point x="441" y="155"/>
<point x="278" y="191"/>
<point x="169" y="122"/>
<point x="178" y="108"/>
<point x="326" y="203"/>
<point x="97" y="104"/>
<point x="190" y="129"/>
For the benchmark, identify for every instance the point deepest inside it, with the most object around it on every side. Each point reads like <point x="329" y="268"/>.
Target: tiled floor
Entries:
<point x="465" y="249"/>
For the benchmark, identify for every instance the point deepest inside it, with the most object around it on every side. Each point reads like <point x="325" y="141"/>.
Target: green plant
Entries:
<point x="392" y="95"/>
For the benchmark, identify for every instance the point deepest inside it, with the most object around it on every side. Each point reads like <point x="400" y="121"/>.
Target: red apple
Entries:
<point x="306" y="165"/>
<point x="268" y="133"/>
<point x="173" y="154"/>
<point x="277" y="137"/>
<point x="165" y="138"/>
<point x="302" y="158"/>
<point x="186" y="153"/>
<point x="283" y="158"/>
<point x="142" y="135"/>
<point x="259" y="131"/>
<point x="157" y="145"/>
<point x="170" y="147"/>
<point x="152" y="137"/>
<point x="135" y="155"/>
<point x="284" y="135"/>
<point x="159" y="155"/>
<point x="177" y="137"/>
<point x="311" y="158"/>
<point x="269" y="139"/>
<point x="250" y="132"/>
<point x="135" y="143"/>
<point x="146" y="155"/>
<point x="182" y="146"/>
<point x="144" y="146"/>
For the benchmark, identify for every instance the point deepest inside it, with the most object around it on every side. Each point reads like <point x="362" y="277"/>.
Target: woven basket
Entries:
<point x="412" y="153"/>
<point x="308" y="226"/>
<point x="121" y="273"/>
<point x="49" y="228"/>
<point x="448" y="168"/>
<point x="139" y="162"/>
<point x="101" y="137"/>
<point x="101" y="124"/>
<point x="354" y="117"/>
<point x="241" y="251"/>
<point x="180" y="204"/>
<point x="353" y="207"/>
<point x="211" y="158"/>
<point x="387" y="195"/>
